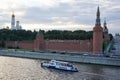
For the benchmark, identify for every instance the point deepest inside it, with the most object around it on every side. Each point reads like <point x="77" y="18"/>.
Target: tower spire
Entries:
<point x="105" y="24"/>
<point x="98" y="11"/>
<point x="98" y="17"/>
<point x="105" y="27"/>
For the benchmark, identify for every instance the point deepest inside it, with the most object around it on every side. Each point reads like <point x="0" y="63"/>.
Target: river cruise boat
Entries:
<point x="60" y="65"/>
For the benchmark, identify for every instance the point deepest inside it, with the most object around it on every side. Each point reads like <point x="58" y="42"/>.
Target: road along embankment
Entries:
<point x="64" y="57"/>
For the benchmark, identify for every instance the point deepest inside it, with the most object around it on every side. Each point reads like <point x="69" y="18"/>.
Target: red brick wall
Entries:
<point x="26" y="44"/>
<point x="10" y="44"/>
<point x="20" y="44"/>
<point x="58" y="45"/>
<point x="39" y="43"/>
<point x="69" y="45"/>
<point x="97" y="40"/>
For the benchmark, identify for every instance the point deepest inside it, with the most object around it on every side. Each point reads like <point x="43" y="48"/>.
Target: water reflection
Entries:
<point x="29" y="69"/>
<point x="98" y="70"/>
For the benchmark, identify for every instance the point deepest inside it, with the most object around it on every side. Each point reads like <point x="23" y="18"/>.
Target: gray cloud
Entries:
<point x="78" y="12"/>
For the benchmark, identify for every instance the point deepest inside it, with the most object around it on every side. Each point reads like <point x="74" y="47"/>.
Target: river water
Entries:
<point x="30" y="69"/>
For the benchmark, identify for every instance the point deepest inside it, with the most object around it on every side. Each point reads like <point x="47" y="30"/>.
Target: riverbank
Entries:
<point x="64" y="57"/>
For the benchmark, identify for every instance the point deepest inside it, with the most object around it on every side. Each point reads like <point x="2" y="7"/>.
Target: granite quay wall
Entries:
<point x="67" y="57"/>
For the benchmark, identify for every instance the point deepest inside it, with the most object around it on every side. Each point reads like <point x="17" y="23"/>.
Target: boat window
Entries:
<point x="69" y="65"/>
<point x="66" y="64"/>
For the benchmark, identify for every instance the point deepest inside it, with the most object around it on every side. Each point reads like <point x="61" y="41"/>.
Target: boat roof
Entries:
<point x="58" y="61"/>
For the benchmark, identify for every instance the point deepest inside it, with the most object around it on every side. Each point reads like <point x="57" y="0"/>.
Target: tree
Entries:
<point x="27" y="35"/>
<point x="111" y="36"/>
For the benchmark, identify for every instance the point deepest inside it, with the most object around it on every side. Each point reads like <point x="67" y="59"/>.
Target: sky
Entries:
<point x="60" y="14"/>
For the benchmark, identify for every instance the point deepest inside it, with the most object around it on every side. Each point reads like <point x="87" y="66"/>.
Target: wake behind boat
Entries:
<point x="59" y="65"/>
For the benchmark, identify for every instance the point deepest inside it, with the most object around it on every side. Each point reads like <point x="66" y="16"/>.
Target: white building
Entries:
<point x="13" y="26"/>
<point x="13" y="22"/>
<point x="18" y="26"/>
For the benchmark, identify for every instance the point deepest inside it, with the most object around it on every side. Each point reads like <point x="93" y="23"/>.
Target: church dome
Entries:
<point x="13" y="15"/>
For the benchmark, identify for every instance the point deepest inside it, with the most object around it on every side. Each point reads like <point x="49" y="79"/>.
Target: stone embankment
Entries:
<point x="64" y="57"/>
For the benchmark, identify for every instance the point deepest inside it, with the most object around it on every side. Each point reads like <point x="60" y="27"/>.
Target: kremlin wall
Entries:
<point x="94" y="45"/>
<point x="53" y="45"/>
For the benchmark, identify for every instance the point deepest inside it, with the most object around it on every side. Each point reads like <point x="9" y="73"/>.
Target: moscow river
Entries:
<point x="30" y="69"/>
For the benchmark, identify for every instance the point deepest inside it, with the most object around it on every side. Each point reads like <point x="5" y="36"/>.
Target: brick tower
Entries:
<point x="105" y="31"/>
<point x="39" y="43"/>
<point x="97" y="35"/>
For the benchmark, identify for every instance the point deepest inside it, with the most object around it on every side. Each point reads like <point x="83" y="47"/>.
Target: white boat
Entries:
<point x="59" y="65"/>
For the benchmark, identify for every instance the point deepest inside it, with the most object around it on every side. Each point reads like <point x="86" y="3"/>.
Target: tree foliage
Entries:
<point x="27" y="35"/>
<point x="16" y="35"/>
<point x="111" y="36"/>
<point x="69" y="35"/>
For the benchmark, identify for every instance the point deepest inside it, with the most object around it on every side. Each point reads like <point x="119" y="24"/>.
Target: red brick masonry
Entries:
<point x="57" y="45"/>
<point x="20" y="44"/>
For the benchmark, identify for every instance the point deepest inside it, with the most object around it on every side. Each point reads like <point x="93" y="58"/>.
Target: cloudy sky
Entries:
<point x="60" y="14"/>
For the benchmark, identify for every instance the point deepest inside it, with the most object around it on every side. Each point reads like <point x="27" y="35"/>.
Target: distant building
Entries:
<point x="13" y="22"/>
<point x="105" y="32"/>
<point x="15" y="26"/>
<point x="18" y="26"/>
<point x="105" y="29"/>
<point x="117" y="34"/>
